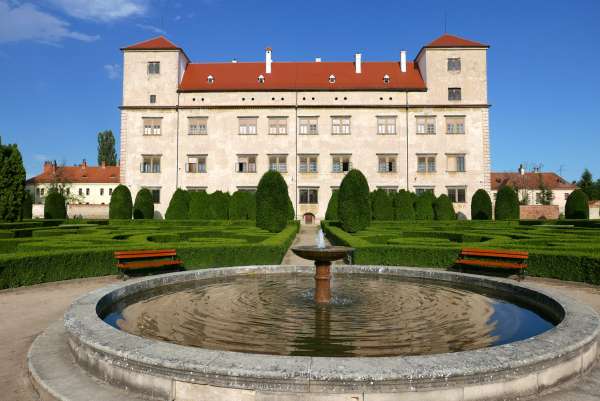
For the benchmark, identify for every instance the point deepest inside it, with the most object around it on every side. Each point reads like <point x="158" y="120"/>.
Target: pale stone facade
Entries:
<point x="222" y="144"/>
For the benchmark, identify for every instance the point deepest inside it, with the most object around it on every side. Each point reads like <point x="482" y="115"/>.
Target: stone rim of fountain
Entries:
<point x="160" y="368"/>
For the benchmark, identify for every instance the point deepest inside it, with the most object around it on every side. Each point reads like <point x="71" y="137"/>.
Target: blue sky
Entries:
<point x="60" y="63"/>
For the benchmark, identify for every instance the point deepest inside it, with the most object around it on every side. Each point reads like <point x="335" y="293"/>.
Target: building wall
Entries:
<point x="94" y="197"/>
<point x="560" y="197"/>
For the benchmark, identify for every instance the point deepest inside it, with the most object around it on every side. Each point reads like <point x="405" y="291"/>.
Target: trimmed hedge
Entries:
<point x="424" y="206"/>
<point x="443" y="208"/>
<point x="404" y="205"/>
<point x="332" y="207"/>
<point x="199" y="206"/>
<point x="143" y="207"/>
<point x="55" y="206"/>
<point x="27" y="206"/>
<point x="218" y="203"/>
<point x="242" y="206"/>
<point x="481" y="205"/>
<point x="272" y="202"/>
<point x="577" y="206"/>
<point x="120" y="206"/>
<point x="507" y="204"/>
<point x="179" y="205"/>
<point x="382" y="207"/>
<point x="354" y="209"/>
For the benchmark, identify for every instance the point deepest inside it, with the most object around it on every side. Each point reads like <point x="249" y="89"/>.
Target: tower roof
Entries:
<point x="158" y="43"/>
<point x="447" y="40"/>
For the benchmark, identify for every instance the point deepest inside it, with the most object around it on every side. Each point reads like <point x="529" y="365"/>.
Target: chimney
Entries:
<point x="403" y="61"/>
<point x="234" y="60"/>
<point x="318" y="60"/>
<point x="358" y="63"/>
<point x="84" y="164"/>
<point x="268" y="60"/>
<point x="48" y="166"/>
<point x="103" y="164"/>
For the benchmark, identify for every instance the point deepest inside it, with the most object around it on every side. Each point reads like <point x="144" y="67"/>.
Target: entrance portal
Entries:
<point x="309" y="218"/>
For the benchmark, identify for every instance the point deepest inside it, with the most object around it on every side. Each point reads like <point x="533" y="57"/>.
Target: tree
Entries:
<point x="219" y="205"/>
<point x="179" y="205"/>
<point x="199" y="206"/>
<point x="332" y="207"/>
<point x="404" y="206"/>
<point x="120" y="206"/>
<point x="143" y="207"/>
<point x="577" y="206"/>
<point x="546" y="194"/>
<point x="507" y="204"/>
<point x="383" y="207"/>
<point x="55" y="206"/>
<point x="106" y="148"/>
<point x="424" y="206"/>
<point x="26" y="209"/>
<point x="354" y="209"/>
<point x="12" y="182"/>
<point x="481" y="205"/>
<point x="443" y="209"/>
<point x="241" y="205"/>
<point x="272" y="202"/>
<point x="586" y="184"/>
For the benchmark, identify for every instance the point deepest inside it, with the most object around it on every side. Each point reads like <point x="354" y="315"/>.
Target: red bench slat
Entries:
<point x="490" y="263"/>
<point x="143" y="259"/>
<point x="148" y="264"/>
<point x="506" y="255"/>
<point x="499" y="251"/>
<point x="521" y="264"/>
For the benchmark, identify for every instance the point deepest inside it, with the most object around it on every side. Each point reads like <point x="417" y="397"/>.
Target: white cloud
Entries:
<point x="113" y="70"/>
<point x="151" y="28"/>
<point x="26" y="22"/>
<point x="103" y="10"/>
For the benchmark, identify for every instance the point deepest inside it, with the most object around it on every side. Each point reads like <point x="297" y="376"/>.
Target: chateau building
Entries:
<point x="418" y="125"/>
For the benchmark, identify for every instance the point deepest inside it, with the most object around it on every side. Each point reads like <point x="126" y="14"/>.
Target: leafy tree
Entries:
<point x="12" y="182"/>
<point x="242" y="206"/>
<point x="55" y="206"/>
<point x="507" y="204"/>
<point x="26" y="209"/>
<point x="586" y="184"/>
<point x="272" y="202"/>
<point x="354" y="209"/>
<point x="120" y="206"/>
<point x="291" y="212"/>
<point x="546" y="194"/>
<point x="404" y="205"/>
<point x="577" y="206"/>
<point x="143" y="207"/>
<point x="106" y="148"/>
<point x="383" y="207"/>
<point x="219" y="205"/>
<point x="443" y="209"/>
<point x="332" y="207"/>
<point x="424" y="206"/>
<point x="481" y="205"/>
<point x="179" y="205"/>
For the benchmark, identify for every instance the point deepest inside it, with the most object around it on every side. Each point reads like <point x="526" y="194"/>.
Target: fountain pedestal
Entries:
<point x="322" y="282"/>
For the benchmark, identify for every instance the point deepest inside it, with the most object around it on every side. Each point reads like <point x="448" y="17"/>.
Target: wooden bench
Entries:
<point x="495" y="258"/>
<point x="151" y="259"/>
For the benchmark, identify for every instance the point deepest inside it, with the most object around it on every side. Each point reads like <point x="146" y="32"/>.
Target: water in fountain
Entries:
<point x="320" y="239"/>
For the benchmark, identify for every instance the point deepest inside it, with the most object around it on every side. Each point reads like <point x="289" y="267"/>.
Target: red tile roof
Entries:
<point x="530" y="181"/>
<point x="301" y="76"/>
<point x="77" y="174"/>
<point x="158" y="43"/>
<point x="447" y="40"/>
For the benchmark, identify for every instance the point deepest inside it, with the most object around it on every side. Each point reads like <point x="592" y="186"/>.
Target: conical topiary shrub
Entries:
<point x="179" y="206"/>
<point x="120" y="206"/>
<point x="404" y="205"/>
<point x="143" y="207"/>
<point x="382" y="207"/>
<point x="199" y="206"/>
<point x="424" y="206"/>
<point x="443" y="209"/>
<point x="481" y="205"/>
<point x="332" y="207"/>
<point x="27" y="206"/>
<point x="577" y="206"/>
<point x="272" y="202"/>
<point x="55" y="205"/>
<point x="354" y="209"/>
<point x="219" y="205"/>
<point x="507" y="204"/>
<point x="241" y="205"/>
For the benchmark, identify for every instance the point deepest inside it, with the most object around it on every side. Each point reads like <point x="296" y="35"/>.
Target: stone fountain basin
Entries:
<point x="327" y="254"/>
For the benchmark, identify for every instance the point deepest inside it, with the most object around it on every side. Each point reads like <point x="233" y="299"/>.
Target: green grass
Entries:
<point x="39" y="251"/>
<point x="567" y="250"/>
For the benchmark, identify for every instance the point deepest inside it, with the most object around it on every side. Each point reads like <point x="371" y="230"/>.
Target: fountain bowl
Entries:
<point x="326" y="254"/>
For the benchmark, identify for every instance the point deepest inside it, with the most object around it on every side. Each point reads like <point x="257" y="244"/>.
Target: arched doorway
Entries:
<point x="308" y="218"/>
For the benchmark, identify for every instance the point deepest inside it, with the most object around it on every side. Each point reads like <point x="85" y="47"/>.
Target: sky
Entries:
<point x="61" y="67"/>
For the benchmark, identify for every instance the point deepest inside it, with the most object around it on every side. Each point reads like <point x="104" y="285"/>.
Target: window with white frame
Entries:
<point x="278" y="125"/>
<point x="422" y="190"/>
<point x="308" y="195"/>
<point x="426" y="163"/>
<point x="197" y="125"/>
<point x="454" y="64"/>
<point x="246" y="164"/>
<point x="247" y="189"/>
<point x="426" y="125"/>
<point x="154" y="67"/>
<point x="340" y="125"/>
<point x="150" y="164"/>
<point x="196" y="189"/>
<point x="455" y="124"/>
<point x="196" y="164"/>
<point x="387" y="163"/>
<point x="456" y="163"/>
<point x="308" y="125"/>
<point x="386" y="125"/>
<point x="248" y="125"/>
<point x="152" y="125"/>
<point x="454" y="94"/>
<point x="278" y="163"/>
<point x="155" y="191"/>
<point x="388" y="189"/>
<point x="308" y="163"/>
<point x="341" y="163"/>
<point x="457" y="194"/>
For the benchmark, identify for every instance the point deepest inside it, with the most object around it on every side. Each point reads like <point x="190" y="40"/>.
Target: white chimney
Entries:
<point x="268" y="60"/>
<point x="358" y="63"/>
<point x="318" y="60"/>
<point x="234" y="60"/>
<point x="403" y="61"/>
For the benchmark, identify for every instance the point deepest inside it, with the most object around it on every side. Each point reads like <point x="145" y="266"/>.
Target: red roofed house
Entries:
<point x="419" y="125"/>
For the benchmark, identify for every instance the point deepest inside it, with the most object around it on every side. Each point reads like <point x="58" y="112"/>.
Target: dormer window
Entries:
<point x="210" y="79"/>
<point x="261" y="79"/>
<point x="386" y="79"/>
<point x="332" y="79"/>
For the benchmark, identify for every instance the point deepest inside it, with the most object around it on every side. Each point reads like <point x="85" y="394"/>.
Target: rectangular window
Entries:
<point x="308" y="125"/>
<point x="426" y="125"/>
<point x="80" y="191"/>
<point x="110" y="191"/>
<point x="101" y="191"/>
<point x="567" y="196"/>
<point x="154" y="67"/>
<point x="155" y="194"/>
<point x="387" y="163"/>
<point x="150" y="164"/>
<point x="278" y="163"/>
<point x="538" y="198"/>
<point x="422" y="190"/>
<point x="152" y="99"/>
<point x="389" y="190"/>
<point x="277" y="125"/>
<point x="456" y="163"/>
<point x="454" y="94"/>
<point x="308" y="163"/>
<point x="341" y="163"/>
<point x="246" y="164"/>
<point x="196" y="189"/>
<point x="197" y="125"/>
<point x="196" y="164"/>
<point x="455" y="125"/>
<point x="42" y="191"/>
<point x="152" y="125"/>
<point x="426" y="164"/>
<point x="309" y="196"/>
<point x="386" y="125"/>
<point x="247" y="189"/>
<point x="454" y="64"/>
<point x="248" y="125"/>
<point x="340" y="125"/>
<point x="87" y="191"/>
<point x="457" y="194"/>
